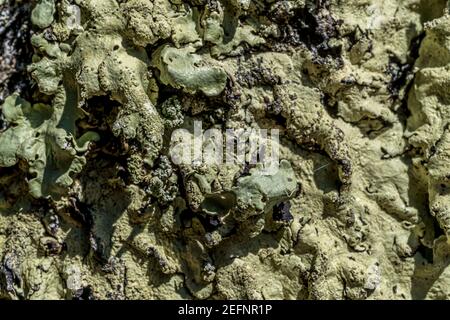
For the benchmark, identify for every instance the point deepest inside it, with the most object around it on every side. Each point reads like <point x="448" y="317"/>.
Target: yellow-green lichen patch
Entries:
<point x="183" y="69"/>
<point x="52" y="153"/>
<point x="104" y="193"/>
<point x="42" y="15"/>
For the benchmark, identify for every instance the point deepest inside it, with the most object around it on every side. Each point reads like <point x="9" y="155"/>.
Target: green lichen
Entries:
<point x="147" y="21"/>
<point x="185" y="29"/>
<point x="429" y="122"/>
<point x="183" y="69"/>
<point x="42" y="15"/>
<point x="38" y="135"/>
<point x="358" y="90"/>
<point x="172" y="111"/>
<point x="261" y="190"/>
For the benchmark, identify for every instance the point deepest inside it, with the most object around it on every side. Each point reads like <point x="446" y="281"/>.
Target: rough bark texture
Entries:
<point x="94" y="206"/>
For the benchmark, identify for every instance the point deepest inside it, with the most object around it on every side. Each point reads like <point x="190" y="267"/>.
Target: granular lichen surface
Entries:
<point x="93" y="205"/>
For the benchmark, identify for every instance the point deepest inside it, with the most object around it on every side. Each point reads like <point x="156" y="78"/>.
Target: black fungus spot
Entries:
<point x="258" y="75"/>
<point x="311" y="25"/>
<point x="15" y="49"/>
<point x="282" y="212"/>
<point x="8" y="276"/>
<point x="85" y="293"/>
<point x="399" y="71"/>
